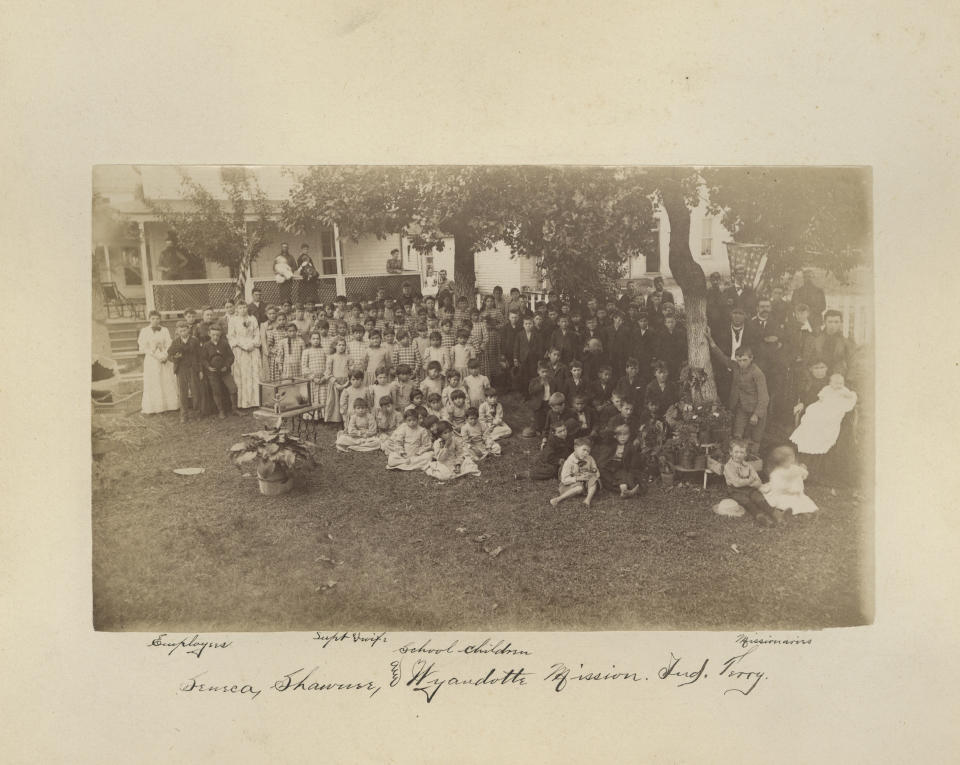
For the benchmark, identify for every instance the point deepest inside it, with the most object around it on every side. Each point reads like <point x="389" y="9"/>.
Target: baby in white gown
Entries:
<point x="820" y="427"/>
<point x="785" y="488"/>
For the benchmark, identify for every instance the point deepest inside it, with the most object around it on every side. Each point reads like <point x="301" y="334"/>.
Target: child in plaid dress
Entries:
<point x="490" y="361"/>
<point x="357" y="350"/>
<point x="406" y="353"/>
<point x="276" y="334"/>
<point x="291" y="353"/>
<point x="448" y="338"/>
<point x="338" y="376"/>
<point x="313" y="366"/>
<point x="435" y="353"/>
<point x="376" y="358"/>
<point x="403" y="387"/>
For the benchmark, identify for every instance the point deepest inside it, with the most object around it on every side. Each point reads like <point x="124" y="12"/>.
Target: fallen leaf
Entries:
<point x="735" y="549"/>
<point x="323" y="558"/>
<point x="495" y="606"/>
<point x="692" y="534"/>
<point x="481" y="538"/>
<point x="495" y="552"/>
<point x="330" y="537"/>
<point x="461" y="529"/>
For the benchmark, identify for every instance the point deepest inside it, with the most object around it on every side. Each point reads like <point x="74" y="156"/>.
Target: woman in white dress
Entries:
<point x="243" y="335"/>
<point x="160" y="392"/>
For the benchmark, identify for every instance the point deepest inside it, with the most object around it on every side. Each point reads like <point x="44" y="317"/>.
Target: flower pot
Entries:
<point x="687" y="458"/>
<point x="666" y="479"/>
<point x="703" y="437"/>
<point x="700" y="462"/>
<point x="274" y="488"/>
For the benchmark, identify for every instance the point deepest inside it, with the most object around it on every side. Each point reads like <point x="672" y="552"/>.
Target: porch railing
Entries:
<point x="179" y="295"/>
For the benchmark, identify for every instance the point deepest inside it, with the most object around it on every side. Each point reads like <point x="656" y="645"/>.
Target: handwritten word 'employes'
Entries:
<point x="370" y="639"/>
<point x="427" y="679"/>
<point x="195" y="645"/>
<point x="733" y="672"/>
<point x="485" y="646"/>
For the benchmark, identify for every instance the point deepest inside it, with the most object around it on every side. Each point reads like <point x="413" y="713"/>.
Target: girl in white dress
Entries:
<point x="820" y="427"/>
<point x="243" y="335"/>
<point x="409" y="446"/>
<point x="451" y="456"/>
<point x="160" y="393"/>
<point x="785" y="488"/>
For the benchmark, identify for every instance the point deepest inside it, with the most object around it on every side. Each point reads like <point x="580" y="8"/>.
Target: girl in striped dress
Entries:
<point x="291" y="353"/>
<point x="338" y="378"/>
<point x="313" y="365"/>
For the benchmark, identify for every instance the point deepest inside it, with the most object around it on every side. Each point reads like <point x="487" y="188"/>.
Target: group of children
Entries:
<point x="599" y="379"/>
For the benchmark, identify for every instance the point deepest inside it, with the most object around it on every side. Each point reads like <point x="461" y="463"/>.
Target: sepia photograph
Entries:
<point x="482" y="397"/>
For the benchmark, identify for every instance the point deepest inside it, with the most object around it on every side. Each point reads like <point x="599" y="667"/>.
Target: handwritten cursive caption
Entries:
<point x="432" y="668"/>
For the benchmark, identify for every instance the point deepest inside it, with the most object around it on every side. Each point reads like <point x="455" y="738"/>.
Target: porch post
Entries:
<point x="340" y="281"/>
<point x="147" y="280"/>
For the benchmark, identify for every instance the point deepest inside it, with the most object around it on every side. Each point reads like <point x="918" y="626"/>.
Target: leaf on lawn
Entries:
<point x="328" y="585"/>
<point x="735" y="549"/>
<point x="481" y="538"/>
<point x="494" y="552"/>
<point x="323" y="558"/>
<point x="461" y="529"/>
<point x="692" y="534"/>
<point x="330" y="537"/>
<point x="495" y="606"/>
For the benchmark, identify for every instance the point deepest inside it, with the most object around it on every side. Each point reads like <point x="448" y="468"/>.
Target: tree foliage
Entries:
<point x="221" y="230"/>
<point x="580" y="223"/>
<point x="807" y="216"/>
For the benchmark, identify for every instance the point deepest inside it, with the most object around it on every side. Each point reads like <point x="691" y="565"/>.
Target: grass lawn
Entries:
<point x="209" y="553"/>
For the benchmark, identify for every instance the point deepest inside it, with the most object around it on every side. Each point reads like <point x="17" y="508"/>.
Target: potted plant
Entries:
<point x="277" y="455"/>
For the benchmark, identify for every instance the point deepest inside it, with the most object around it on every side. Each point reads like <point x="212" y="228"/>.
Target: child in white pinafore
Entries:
<point x="409" y="446"/>
<point x="360" y="434"/>
<point x="785" y="488"/>
<point x="338" y="379"/>
<point x="451" y="457"/>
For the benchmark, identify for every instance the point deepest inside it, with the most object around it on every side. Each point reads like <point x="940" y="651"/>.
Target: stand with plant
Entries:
<point x="277" y="455"/>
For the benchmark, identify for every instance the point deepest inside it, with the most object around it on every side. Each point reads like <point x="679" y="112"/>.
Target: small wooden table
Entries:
<point x="292" y="420"/>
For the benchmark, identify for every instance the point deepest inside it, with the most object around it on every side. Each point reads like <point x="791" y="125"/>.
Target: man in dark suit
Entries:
<point x="508" y="338"/>
<point x="743" y="295"/>
<point x="618" y="345"/>
<point x="257" y="308"/>
<point x="717" y="316"/>
<point x="735" y="334"/>
<point x="768" y="349"/>
<point x="527" y="351"/>
<point x="644" y="348"/>
<point x="809" y="293"/>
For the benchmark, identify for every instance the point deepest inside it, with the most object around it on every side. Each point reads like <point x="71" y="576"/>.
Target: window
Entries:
<point x="132" y="270"/>
<point x="706" y="238"/>
<point x="328" y="253"/>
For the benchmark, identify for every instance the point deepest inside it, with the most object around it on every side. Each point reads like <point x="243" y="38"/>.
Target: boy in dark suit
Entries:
<point x="216" y="359"/>
<point x="539" y="391"/>
<point x="184" y="352"/>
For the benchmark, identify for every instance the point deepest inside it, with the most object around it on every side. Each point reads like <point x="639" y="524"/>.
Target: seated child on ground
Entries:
<point x="473" y="436"/>
<point x="410" y="446"/>
<point x="491" y="416"/>
<point x="619" y="465"/>
<point x="785" y="488"/>
<point x="557" y="411"/>
<point x="579" y="474"/>
<point x="360" y="434"/>
<point x="551" y="457"/>
<point x="457" y="410"/>
<point x="583" y="417"/>
<point x="435" y="406"/>
<point x="451" y="458"/>
<point x="744" y="486"/>
<point x="388" y="420"/>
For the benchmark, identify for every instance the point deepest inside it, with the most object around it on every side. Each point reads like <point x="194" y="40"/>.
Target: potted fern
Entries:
<point x="277" y="455"/>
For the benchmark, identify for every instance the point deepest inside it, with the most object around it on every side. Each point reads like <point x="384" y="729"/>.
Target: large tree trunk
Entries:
<point x="693" y="284"/>
<point x="464" y="272"/>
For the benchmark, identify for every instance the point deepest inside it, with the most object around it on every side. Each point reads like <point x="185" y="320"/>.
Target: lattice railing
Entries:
<point x="178" y="296"/>
<point x="365" y="286"/>
<point x="323" y="290"/>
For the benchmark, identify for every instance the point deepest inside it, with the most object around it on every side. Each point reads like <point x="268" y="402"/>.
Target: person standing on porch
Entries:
<point x="283" y="267"/>
<point x="243" y="336"/>
<point x="159" y="381"/>
<point x="257" y="309"/>
<point x="307" y="271"/>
